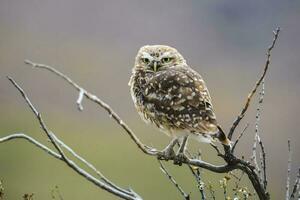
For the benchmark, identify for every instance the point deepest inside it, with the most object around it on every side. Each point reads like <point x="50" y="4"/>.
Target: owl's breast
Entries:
<point x="173" y="100"/>
<point x="144" y="92"/>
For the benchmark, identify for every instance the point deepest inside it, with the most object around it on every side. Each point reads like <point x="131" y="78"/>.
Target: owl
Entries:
<point x="168" y="93"/>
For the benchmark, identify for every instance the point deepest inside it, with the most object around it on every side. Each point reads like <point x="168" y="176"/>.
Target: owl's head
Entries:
<point x="158" y="57"/>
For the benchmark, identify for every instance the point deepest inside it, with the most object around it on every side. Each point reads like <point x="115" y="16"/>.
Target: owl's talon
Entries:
<point x="166" y="154"/>
<point x="180" y="158"/>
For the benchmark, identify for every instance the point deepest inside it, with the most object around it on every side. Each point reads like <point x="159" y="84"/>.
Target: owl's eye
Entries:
<point x="145" y="60"/>
<point x="166" y="59"/>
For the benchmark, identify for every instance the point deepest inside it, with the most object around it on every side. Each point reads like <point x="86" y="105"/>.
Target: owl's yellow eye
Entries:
<point x="166" y="59"/>
<point x="146" y="60"/>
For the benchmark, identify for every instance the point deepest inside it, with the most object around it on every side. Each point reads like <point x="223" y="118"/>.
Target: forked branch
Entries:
<point x="102" y="183"/>
<point x="253" y="91"/>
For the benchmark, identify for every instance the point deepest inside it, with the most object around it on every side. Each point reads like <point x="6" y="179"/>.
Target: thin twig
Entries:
<point x="253" y="157"/>
<point x="197" y="175"/>
<point x="79" y="100"/>
<point x="171" y="178"/>
<point x="287" y="195"/>
<point x="263" y="162"/>
<point x="250" y="95"/>
<point x="31" y="140"/>
<point x="200" y="183"/>
<point x="296" y="185"/>
<point x="257" y="122"/>
<point x="239" y="137"/>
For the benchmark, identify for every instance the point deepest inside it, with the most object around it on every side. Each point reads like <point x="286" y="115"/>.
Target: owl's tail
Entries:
<point x="222" y="137"/>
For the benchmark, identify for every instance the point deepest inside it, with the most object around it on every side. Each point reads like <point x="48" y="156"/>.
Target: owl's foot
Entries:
<point x="180" y="158"/>
<point x="166" y="154"/>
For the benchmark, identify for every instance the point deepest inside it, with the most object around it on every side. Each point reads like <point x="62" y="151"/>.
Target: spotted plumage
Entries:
<point x="171" y="95"/>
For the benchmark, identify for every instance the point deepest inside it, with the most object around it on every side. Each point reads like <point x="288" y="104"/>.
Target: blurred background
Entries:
<point x="95" y="43"/>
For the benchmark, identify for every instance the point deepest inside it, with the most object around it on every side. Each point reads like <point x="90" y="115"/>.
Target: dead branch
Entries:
<point x="257" y="121"/>
<point x="172" y="179"/>
<point x="263" y="162"/>
<point x="31" y="140"/>
<point x="253" y="157"/>
<point x="296" y="186"/>
<point x="250" y="95"/>
<point x="239" y="137"/>
<point x="288" y="177"/>
<point x="106" y="185"/>
<point x="197" y="175"/>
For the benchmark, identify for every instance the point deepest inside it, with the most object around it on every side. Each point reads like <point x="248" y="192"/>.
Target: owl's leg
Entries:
<point x="180" y="156"/>
<point x="168" y="152"/>
<point x="183" y="143"/>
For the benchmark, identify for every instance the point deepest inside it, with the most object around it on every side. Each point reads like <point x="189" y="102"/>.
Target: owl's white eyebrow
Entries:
<point x="146" y="55"/>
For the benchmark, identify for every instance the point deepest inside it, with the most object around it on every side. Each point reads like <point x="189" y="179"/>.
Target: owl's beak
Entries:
<point x="155" y="65"/>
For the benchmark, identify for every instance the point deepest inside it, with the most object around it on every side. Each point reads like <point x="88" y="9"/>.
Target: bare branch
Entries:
<point x="197" y="174"/>
<point x="200" y="183"/>
<point x="31" y="140"/>
<point x="217" y="150"/>
<point x="129" y="195"/>
<point x="101" y="103"/>
<point x="38" y="115"/>
<point x="296" y="185"/>
<point x="250" y="95"/>
<point x="171" y="178"/>
<point x="257" y="121"/>
<point x="79" y="100"/>
<point x="263" y="162"/>
<point x="253" y="157"/>
<point x="54" y="154"/>
<point x="239" y="137"/>
<point x="102" y="177"/>
<point x="287" y="194"/>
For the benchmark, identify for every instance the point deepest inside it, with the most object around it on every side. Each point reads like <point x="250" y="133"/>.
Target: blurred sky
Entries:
<point x="95" y="43"/>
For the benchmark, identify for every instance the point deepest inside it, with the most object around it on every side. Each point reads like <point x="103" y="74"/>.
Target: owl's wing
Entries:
<point x="182" y="96"/>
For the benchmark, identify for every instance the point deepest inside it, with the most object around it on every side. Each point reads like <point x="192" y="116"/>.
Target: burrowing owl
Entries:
<point x="171" y="95"/>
